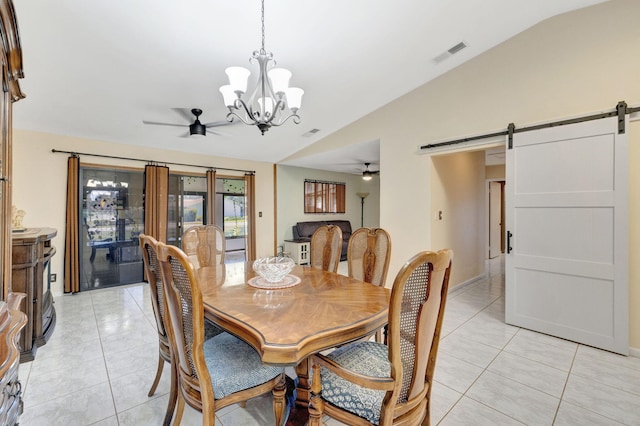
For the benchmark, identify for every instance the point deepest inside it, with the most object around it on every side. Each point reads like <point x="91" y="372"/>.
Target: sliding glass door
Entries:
<point x="187" y="205"/>
<point x="231" y="216"/>
<point x="111" y="219"/>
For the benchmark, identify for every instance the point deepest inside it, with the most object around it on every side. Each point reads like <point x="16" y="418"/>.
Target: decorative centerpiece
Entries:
<point x="273" y="273"/>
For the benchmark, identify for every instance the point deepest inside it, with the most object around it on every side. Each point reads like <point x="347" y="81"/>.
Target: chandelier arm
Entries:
<point x="237" y="105"/>
<point x="294" y="116"/>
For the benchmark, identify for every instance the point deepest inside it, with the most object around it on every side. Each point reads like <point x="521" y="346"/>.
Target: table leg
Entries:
<point x="303" y="388"/>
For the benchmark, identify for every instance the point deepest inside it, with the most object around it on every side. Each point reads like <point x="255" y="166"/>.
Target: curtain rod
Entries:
<point x="620" y="111"/>
<point x="151" y="161"/>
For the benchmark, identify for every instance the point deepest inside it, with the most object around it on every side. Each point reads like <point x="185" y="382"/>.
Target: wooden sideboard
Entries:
<point x="31" y="253"/>
<point x="11" y="322"/>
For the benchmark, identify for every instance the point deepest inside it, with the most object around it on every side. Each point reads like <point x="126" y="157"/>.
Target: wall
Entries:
<point x="458" y="191"/>
<point x="563" y="67"/>
<point x="290" y="199"/>
<point x="495" y="172"/>
<point x="40" y="176"/>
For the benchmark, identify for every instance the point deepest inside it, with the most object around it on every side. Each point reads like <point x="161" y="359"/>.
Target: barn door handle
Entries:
<point x="509" y="235"/>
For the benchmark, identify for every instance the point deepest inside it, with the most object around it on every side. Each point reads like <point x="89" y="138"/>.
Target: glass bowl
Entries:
<point x="273" y="269"/>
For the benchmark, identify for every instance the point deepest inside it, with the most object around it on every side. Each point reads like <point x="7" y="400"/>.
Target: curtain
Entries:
<point x="249" y="192"/>
<point x="211" y="197"/>
<point x="156" y="190"/>
<point x="72" y="238"/>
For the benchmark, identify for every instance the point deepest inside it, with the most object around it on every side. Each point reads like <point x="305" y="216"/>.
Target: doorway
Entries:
<point x="495" y="216"/>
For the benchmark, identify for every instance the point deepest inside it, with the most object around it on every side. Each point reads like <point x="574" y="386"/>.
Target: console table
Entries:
<point x="31" y="253"/>
<point x="300" y="251"/>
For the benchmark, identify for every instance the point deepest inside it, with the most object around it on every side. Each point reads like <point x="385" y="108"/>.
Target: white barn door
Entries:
<point x="566" y="267"/>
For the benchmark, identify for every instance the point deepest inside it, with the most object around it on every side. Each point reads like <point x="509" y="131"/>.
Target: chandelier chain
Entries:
<point x="263" y="25"/>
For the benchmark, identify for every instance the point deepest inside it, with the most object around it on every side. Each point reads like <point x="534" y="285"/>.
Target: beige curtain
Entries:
<point x="156" y="190"/>
<point x="72" y="237"/>
<point x="250" y="190"/>
<point x="211" y="197"/>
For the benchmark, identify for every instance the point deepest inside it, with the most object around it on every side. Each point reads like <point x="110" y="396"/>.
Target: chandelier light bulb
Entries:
<point x="279" y="80"/>
<point x="238" y="77"/>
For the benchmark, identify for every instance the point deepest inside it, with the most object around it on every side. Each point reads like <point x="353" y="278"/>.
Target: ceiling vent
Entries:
<point x="448" y="53"/>
<point x="310" y="133"/>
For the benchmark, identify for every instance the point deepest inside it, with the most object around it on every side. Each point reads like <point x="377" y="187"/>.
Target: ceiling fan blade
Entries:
<point x="186" y="135"/>
<point x="212" y="132"/>
<point x="158" y="123"/>
<point x="185" y="113"/>
<point x="218" y="123"/>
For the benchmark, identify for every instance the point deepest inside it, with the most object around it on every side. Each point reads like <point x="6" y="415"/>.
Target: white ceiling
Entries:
<point x="95" y="69"/>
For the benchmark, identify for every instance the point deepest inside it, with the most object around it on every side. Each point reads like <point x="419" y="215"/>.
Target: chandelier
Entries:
<point x="271" y="103"/>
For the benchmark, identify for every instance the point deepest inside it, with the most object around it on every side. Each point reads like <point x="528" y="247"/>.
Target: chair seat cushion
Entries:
<point x="234" y="365"/>
<point x="368" y="358"/>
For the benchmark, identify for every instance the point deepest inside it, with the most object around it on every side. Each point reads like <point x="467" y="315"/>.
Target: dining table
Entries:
<point x="310" y="311"/>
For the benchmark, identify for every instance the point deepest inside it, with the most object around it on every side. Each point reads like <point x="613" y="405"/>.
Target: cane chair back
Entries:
<point x="154" y="278"/>
<point x="213" y="373"/>
<point x="204" y="244"/>
<point x="368" y="255"/>
<point x="371" y="383"/>
<point x="326" y="246"/>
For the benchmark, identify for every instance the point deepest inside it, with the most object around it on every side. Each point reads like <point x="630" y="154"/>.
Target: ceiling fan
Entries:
<point x="368" y="174"/>
<point x="195" y="128"/>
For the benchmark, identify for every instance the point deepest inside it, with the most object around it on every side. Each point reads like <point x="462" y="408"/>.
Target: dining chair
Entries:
<point x="326" y="245"/>
<point x="204" y="244"/>
<point x="368" y="255"/>
<point x="216" y="372"/>
<point x="367" y="382"/>
<point x="154" y="278"/>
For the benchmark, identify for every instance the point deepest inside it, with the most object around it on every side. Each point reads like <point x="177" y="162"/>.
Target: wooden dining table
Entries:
<point x="287" y="325"/>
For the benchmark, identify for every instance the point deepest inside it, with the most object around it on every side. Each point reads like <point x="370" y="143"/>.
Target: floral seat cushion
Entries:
<point x="234" y="365"/>
<point x="368" y="358"/>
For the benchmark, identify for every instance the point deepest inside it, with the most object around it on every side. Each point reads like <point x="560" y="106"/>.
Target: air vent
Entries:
<point x="311" y="132"/>
<point x="458" y="47"/>
<point x="449" y="52"/>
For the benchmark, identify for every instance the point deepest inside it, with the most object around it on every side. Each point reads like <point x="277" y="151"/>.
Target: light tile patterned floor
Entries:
<point x="99" y="364"/>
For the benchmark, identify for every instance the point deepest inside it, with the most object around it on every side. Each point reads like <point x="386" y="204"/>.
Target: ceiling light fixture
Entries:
<point x="367" y="174"/>
<point x="271" y="96"/>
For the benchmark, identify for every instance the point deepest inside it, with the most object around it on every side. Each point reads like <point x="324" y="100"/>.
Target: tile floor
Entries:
<point x="101" y="359"/>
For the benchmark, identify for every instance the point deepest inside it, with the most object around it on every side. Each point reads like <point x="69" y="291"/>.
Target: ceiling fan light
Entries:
<point x="367" y="175"/>
<point x="228" y="95"/>
<point x="197" y="129"/>
<point x="238" y="77"/>
<point x="294" y="98"/>
<point x="279" y="80"/>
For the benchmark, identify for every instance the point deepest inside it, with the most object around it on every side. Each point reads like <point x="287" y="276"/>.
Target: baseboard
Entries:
<point x="634" y="352"/>
<point x="463" y="285"/>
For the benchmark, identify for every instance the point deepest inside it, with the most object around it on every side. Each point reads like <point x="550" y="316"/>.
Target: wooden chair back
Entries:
<point x="185" y="326"/>
<point x="416" y="311"/>
<point x="368" y="255"/>
<point x="205" y="245"/>
<point x="154" y="277"/>
<point x="149" y="246"/>
<point x="326" y="245"/>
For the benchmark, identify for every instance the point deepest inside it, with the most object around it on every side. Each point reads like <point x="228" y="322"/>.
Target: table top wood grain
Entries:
<point x="287" y="325"/>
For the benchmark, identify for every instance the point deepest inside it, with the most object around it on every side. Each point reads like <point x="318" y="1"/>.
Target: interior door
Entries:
<point x="566" y="268"/>
<point x="495" y="219"/>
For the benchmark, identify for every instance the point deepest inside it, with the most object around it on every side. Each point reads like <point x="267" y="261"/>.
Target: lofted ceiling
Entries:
<point x="96" y="69"/>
